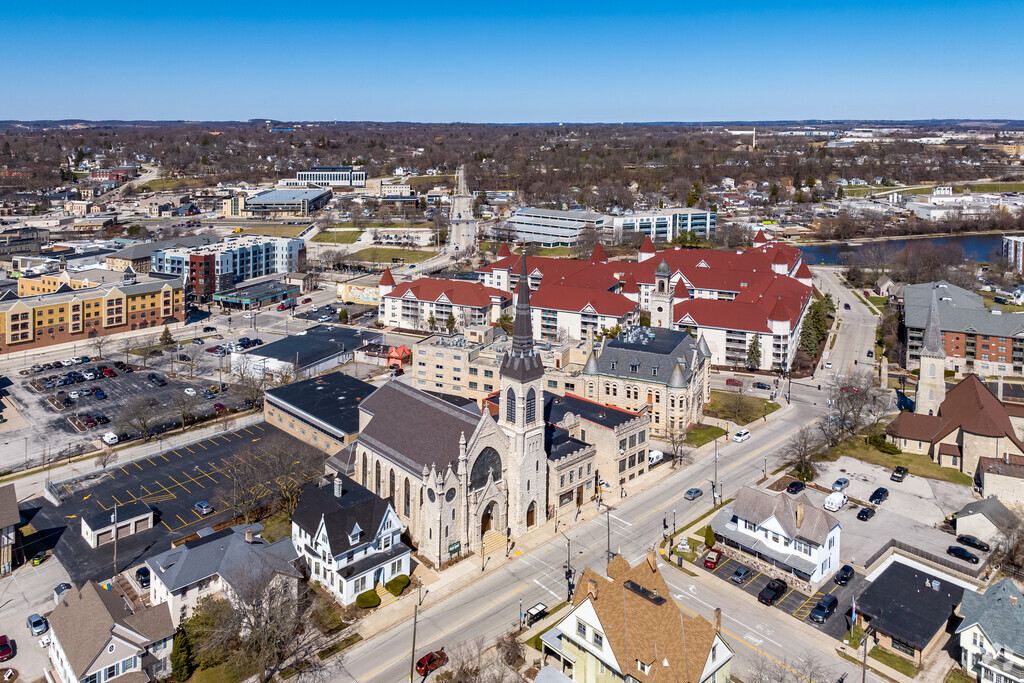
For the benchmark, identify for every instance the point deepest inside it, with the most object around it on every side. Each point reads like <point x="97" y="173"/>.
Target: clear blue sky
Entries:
<point x="512" y="61"/>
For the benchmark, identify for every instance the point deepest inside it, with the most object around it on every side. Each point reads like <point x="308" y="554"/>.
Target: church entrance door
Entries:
<point x="487" y="520"/>
<point x="531" y="514"/>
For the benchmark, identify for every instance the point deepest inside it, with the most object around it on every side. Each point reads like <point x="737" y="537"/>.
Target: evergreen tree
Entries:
<point x="166" y="339"/>
<point x="343" y="316"/>
<point x="754" y="352"/>
<point x="432" y="322"/>
<point x="450" y="323"/>
<point x="181" y="657"/>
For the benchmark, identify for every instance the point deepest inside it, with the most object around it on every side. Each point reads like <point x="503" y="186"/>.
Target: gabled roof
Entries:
<point x="576" y="299"/>
<point x="999" y="611"/>
<point x="357" y="507"/>
<point x="994" y="511"/>
<point x="457" y="292"/>
<point x="9" y="514"/>
<point x="797" y="516"/>
<point x="640" y="621"/>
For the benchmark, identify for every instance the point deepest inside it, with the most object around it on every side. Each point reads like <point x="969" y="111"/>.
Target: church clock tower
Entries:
<point x="661" y="297"/>
<point x="521" y="417"/>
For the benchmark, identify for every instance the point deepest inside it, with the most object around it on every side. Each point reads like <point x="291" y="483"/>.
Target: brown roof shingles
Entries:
<point x="9" y="515"/>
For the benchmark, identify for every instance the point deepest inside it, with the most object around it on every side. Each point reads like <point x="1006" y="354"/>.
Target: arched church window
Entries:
<point x="510" y="406"/>
<point x="406" y="497"/>
<point x="931" y="371"/>
<point x="364" y="470"/>
<point x="449" y="496"/>
<point x="531" y="405"/>
<point x="931" y="394"/>
<point x="488" y="462"/>
<point x="376" y="479"/>
<point x="391" y="487"/>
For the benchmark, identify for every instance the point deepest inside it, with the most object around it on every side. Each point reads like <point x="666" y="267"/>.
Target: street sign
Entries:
<point x="455" y="547"/>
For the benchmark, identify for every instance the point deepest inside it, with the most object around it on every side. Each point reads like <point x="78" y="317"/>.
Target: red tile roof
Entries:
<point x="503" y="251"/>
<point x="598" y="255"/>
<point x="564" y="298"/>
<point x="759" y="238"/>
<point x="458" y="292"/>
<point x="681" y="292"/>
<point x="387" y="279"/>
<point x="630" y="286"/>
<point x="648" y="246"/>
<point x="803" y="272"/>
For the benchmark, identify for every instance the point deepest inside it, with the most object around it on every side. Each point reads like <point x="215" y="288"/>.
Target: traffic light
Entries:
<point x="664" y="522"/>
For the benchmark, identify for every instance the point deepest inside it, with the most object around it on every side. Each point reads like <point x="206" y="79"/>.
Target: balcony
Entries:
<point x="1004" y="666"/>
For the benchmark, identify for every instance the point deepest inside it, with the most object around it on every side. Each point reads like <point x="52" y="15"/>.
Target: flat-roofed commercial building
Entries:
<point x="666" y="224"/>
<point x="332" y="176"/>
<point x="323" y="411"/>
<point x="552" y="228"/>
<point x="277" y="204"/>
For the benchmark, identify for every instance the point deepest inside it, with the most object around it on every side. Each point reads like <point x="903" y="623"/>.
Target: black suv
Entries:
<point x="962" y="554"/>
<point x="157" y="380"/>
<point x="973" y="542"/>
<point x="772" y="592"/>
<point x="844" y="575"/>
<point x="825" y="608"/>
<point x="795" y="487"/>
<point x="899" y="474"/>
<point x="879" y="496"/>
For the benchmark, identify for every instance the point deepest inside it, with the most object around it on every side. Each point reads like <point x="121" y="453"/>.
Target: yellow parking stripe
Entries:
<point x="178" y="483"/>
<point x="200" y="444"/>
<point x="123" y="470"/>
<point x="786" y="595"/>
<point x="193" y="479"/>
<point x="116" y="500"/>
<point x="138" y="465"/>
<point x="165" y="457"/>
<point x="151" y="462"/>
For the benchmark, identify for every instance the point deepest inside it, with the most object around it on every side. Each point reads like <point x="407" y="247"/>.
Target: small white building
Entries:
<point x="350" y="538"/>
<point x="784" y="531"/>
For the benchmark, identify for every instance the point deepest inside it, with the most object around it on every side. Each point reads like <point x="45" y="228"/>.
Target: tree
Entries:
<point x="291" y="465"/>
<point x="431" y="322"/>
<point x="250" y="381"/>
<point x="98" y="342"/>
<point x="185" y="406"/>
<point x="248" y="482"/>
<point x="343" y="316"/>
<point x="737" y="400"/>
<point x="450" y="323"/>
<point x="505" y="322"/>
<point x="754" y="353"/>
<point x="510" y="649"/>
<point x="147" y="345"/>
<point x="799" y="453"/>
<point x="106" y="457"/>
<point x="181" y="657"/>
<point x="140" y="414"/>
<point x="680" y="452"/>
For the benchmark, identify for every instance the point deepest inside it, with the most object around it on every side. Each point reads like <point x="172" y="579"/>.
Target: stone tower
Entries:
<point x="521" y="417"/>
<point x="661" y="297"/>
<point x="931" y="385"/>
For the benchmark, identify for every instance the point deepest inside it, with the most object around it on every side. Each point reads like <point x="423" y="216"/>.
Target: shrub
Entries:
<point x="709" y="536"/>
<point x="398" y="584"/>
<point x="878" y="441"/>
<point x="181" y="657"/>
<point x="368" y="600"/>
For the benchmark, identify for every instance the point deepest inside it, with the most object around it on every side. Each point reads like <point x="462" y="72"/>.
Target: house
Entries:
<point x="1003" y="478"/>
<point x="987" y="519"/>
<point x="349" y="538"/>
<point x="10" y="519"/>
<point x="909" y="609"/>
<point x="626" y="627"/>
<point x="992" y="632"/>
<point x="95" y="636"/>
<point x="221" y="563"/>
<point x="780" y="534"/>
<point x="970" y="423"/>
<point x="884" y="285"/>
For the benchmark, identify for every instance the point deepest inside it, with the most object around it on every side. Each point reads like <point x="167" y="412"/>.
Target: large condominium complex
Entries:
<point x="81" y="310"/>
<point x="427" y="303"/>
<point x="217" y="267"/>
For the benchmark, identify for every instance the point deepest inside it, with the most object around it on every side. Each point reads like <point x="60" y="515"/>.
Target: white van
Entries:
<point x="654" y="457"/>
<point x="835" y="501"/>
<point x="110" y="438"/>
<point x="741" y="435"/>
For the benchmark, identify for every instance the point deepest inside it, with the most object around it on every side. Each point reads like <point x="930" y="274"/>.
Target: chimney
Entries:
<point x="1013" y="599"/>
<point x="339" y="487"/>
<point x="799" y="515"/>
<point x="592" y="588"/>
<point x="652" y="560"/>
<point x="718" y="620"/>
<point x="248" y="536"/>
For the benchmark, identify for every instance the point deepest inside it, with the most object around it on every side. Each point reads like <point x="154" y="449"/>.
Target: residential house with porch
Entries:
<point x="781" y="535"/>
<point x="992" y="633"/>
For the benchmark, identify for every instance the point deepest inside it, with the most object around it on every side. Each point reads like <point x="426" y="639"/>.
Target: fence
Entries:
<point x="974" y="571"/>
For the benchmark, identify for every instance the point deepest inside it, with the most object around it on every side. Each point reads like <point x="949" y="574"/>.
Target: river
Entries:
<point x="976" y="247"/>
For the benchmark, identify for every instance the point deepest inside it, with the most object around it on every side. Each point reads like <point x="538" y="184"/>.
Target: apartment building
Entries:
<point x="665" y="225"/>
<point x="80" y="313"/>
<point x="218" y="267"/>
<point x="563" y="312"/>
<point x="552" y="228"/>
<point x="330" y="176"/>
<point x="427" y="303"/>
<point x="289" y="203"/>
<point x="138" y="256"/>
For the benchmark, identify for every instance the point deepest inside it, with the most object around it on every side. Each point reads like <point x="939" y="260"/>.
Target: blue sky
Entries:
<point x="512" y="61"/>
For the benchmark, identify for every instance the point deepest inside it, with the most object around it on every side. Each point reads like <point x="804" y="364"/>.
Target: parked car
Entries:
<point x="962" y="554"/>
<point x="430" y="662"/>
<point x="6" y="651"/>
<point x="846" y="307"/>
<point x="102" y="419"/>
<point x="763" y="385"/>
<point x="973" y="542"/>
<point x="741" y="575"/>
<point x="865" y="514"/>
<point x="219" y="407"/>
<point x="189" y="391"/>
<point x="733" y="382"/>
<point x="825" y="608"/>
<point x="323" y="319"/>
<point x="841" y="484"/>
<point x="39" y="558"/>
<point x="198" y="341"/>
<point x="880" y="495"/>
<point x="741" y="435"/>
<point x="844" y="575"/>
<point x="899" y="474"/>
<point x="110" y="438"/>
<point x="157" y="379"/>
<point x="37" y="625"/>
<point x="99" y="394"/>
<point x="712" y="559"/>
<point x="109" y="373"/>
<point x="693" y="494"/>
<point x="795" y="487"/>
<point x="306" y="300"/>
<point x="142" y="576"/>
<point x="775" y="589"/>
<point x="203" y="508"/>
<point x="209" y="328"/>
<point x="871" y="354"/>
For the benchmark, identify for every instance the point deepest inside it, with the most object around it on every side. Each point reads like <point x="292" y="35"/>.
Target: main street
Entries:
<point x="489" y="606"/>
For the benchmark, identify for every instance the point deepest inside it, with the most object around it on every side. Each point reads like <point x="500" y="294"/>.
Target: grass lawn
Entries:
<point x="702" y="434"/>
<point x="221" y="673"/>
<point x="276" y="527"/>
<point x="957" y="676"/>
<point x="723" y="406"/>
<point x="385" y="254"/>
<point x="919" y="465"/>
<point x="339" y="646"/>
<point x="275" y="230"/>
<point x="879" y="302"/>
<point x="384" y="227"/>
<point x="338" y="236"/>
<point x="534" y="641"/>
<point x="416" y="182"/>
<point x="990" y="301"/>
<point x="894" y="662"/>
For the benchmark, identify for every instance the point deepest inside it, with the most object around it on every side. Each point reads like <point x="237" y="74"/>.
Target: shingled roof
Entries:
<point x="641" y="622"/>
<point x="797" y="516"/>
<point x="999" y="612"/>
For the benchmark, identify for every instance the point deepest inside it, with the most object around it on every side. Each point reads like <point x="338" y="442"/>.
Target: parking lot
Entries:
<point x="795" y="603"/>
<point x="172" y="482"/>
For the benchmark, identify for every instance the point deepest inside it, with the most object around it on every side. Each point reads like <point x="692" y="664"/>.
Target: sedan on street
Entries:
<point x="694" y="494"/>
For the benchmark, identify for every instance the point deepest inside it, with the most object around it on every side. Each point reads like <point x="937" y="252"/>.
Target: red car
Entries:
<point x="219" y="407"/>
<point x="306" y="300"/>
<point x="430" y="662"/>
<point x="109" y="373"/>
<point x="712" y="559"/>
<point x="6" y="651"/>
<point x="733" y="382"/>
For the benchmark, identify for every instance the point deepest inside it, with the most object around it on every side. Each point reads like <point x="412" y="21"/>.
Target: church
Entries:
<point x="461" y="479"/>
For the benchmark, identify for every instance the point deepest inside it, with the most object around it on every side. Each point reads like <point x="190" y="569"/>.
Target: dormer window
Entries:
<point x="642" y="668"/>
<point x="353" y="537"/>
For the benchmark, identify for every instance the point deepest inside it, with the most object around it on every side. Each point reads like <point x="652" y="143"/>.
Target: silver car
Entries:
<point x="37" y="625"/>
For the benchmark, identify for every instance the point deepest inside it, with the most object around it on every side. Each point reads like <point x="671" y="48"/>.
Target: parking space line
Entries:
<point x="183" y="522"/>
<point x="188" y="449"/>
<point x="200" y="444"/>
<point x="205" y="474"/>
<point x="720" y="565"/>
<point x="178" y="483"/>
<point x="123" y="470"/>
<point x="193" y="479"/>
<point x="806" y="603"/>
<point x="151" y="462"/>
<point x="141" y="486"/>
<point x="164" y="522"/>
<point x="116" y="500"/>
<point x="259" y="428"/>
<point x="786" y="596"/>
<point x="177" y="453"/>
<point x="137" y="465"/>
<point x="246" y="430"/>
<point x="164" y="457"/>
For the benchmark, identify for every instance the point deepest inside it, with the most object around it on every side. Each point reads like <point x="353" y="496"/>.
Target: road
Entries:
<point x="856" y="333"/>
<point x="462" y="233"/>
<point x="490" y="606"/>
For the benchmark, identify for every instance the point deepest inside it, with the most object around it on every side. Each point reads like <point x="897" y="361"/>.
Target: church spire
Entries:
<point x="932" y="345"/>
<point x="522" y="363"/>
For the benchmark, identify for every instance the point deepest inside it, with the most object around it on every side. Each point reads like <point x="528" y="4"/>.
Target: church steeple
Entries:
<point x="522" y="363"/>
<point x="931" y="383"/>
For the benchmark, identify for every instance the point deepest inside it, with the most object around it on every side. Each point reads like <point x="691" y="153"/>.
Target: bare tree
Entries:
<point x="737" y="399"/>
<point x="510" y="649"/>
<point x="140" y="413"/>
<point x="676" y="439"/>
<point x="250" y="381"/>
<point x="106" y="457"/>
<point x="800" y="452"/>
<point x="146" y="345"/>
<point x="195" y="363"/>
<point x="248" y="486"/>
<point x="289" y="466"/>
<point x="185" y="406"/>
<point x="98" y="342"/>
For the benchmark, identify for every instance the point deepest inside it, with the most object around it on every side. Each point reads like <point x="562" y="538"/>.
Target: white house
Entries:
<point x="350" y="538"/>
<point x="782" y="531"/>
<point x="992" y="633"/>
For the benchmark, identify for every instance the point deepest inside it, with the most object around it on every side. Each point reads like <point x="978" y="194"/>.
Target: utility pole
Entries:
<point x="115" y="539"/>
<point x="714" y="490"/>
<point x="864" y="661"/>
<point x="412" y="660"/>
<point x="608" y="517"/>
<point x="568" y="568"/>
<point x="673" y="523"/>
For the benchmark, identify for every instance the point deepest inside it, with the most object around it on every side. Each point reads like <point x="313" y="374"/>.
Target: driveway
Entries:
<point x="29" y="590"/>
